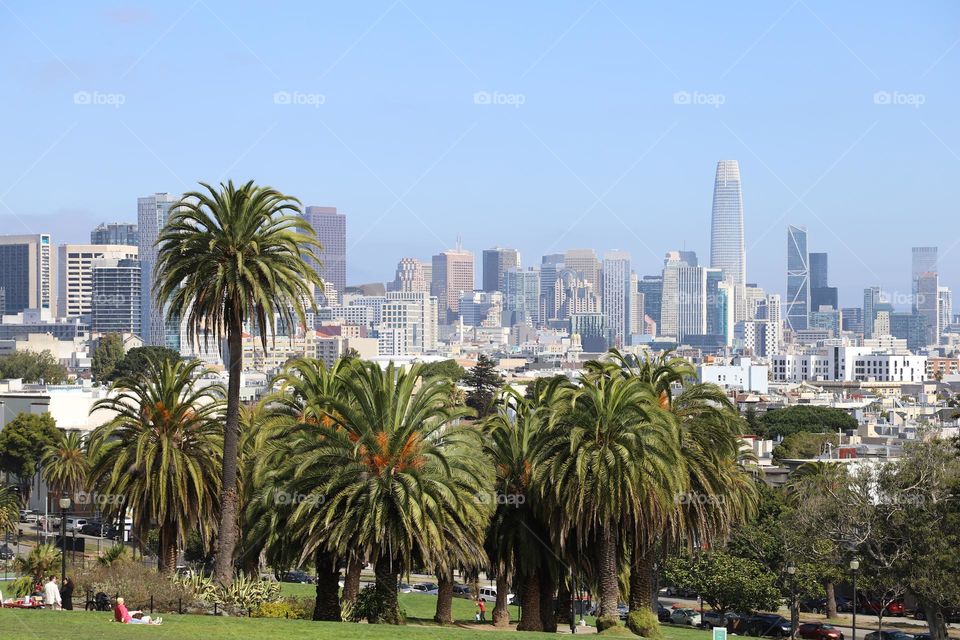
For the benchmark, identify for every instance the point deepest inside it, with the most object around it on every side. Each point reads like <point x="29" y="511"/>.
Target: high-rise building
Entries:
<point x="945" y="307"/>
<point x="496" y="262"/>
<point x="872" y="297"/>
<point x="115" y="233"/>
<point x="452" y="276"/>
<point x="923" y="260"/>
<point x="770" y="310"/>
<point x="818" y="270"/>
<point x="821" y="293"/>
<point x="635" y="304"/>
<point x="75" y="274"/>
<point x="481" y="308"/>
<point x="727" y="250"/>
<point x="573" y="295"/>
<point x="589" y="326"/>
<point x="852" y="319"/>
<point x="408" y="319"/>
<point x="331" y="230"/>
<point x="927" y="303"/>
<point x="616" y="295"/>
<point x="410" y="276"/>
<point x="521" y="297"/>
<point x="652" y="289"/>
<point x="718" y="301"/>
<point x="27" y="273"/>
<point x="798" y="278"/>
<point x="152" y="214"/>
<point x="116" y="296"/>
<point x="584" y="262"/>
<point x="550" y="265"/>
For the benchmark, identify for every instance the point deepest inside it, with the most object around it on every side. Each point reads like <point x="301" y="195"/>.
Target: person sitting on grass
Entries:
<point x="120" y="614"/>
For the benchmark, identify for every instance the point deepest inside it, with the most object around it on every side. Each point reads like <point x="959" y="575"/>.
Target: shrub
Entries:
<point x="136" y="583"/>
<point x="287" y="608"/>
<point x="368" y="606"/>
<point x="644" y="623"/>
<point x="607" y="623"/>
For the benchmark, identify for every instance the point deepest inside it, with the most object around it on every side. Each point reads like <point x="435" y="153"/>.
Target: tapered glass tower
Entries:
<point x="726" y="231"/>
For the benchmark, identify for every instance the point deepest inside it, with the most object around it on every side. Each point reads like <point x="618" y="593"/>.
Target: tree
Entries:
<point x="726" y="582"/>
<point x="33" y="367"/>
<point x="107" y="356"/>
<point x="22" y="443"/>
<point x="225" y="257"/>
<point x="9" y="510"/>
<point x="136" y="360"/>
<point x="750" y="417"/>
<point x="448" y="369"/>
<point x="65" y="464"/>
<point x="804" y="444"/>
<point x="40" y="562"/>
<point x="160" y="455"/>
<point x="803" y="417"/>
<point x="483" y="381"/>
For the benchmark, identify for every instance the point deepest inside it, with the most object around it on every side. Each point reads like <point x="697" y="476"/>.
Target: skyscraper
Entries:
<point x="115" y="233"/>
<point x="27" y="273"/>
<point x="550" y="266"/>
<point x="821" y="293"/>
<point x="496" y="261"/>
<point x="616" y="295"/>
<point x="818" y="270"/>
<point x="116" y="299"/>
<point x="410" y="276"/>
<point x="925" y="282"/>
<point x="331" y="230"/>
<point x="726" y="229"/>
<point x="872" y="298"/>
<point x="75" y="274"/>
<point x="152" y="214"/>
<point x="945" y="307"/>
<point x="798" y="278"/>
<point x="521" y="297"/>
<point x="584" y="262"/>
<point x="651" y="287"/>
<point x="452" y="275"/>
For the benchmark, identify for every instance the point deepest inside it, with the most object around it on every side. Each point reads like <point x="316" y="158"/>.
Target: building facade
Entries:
<point x="727" y="250"/>
<point x="28" y="273"/>
<point x="331" y="230"/>
<point x="125" y="233"/>
<point x="116" y="296"/>
<point x="75" y="274"/>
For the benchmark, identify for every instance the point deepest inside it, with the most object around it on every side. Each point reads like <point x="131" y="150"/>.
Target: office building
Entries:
<point x="550" y="265"/>
<point x="798" y="278"/>
<point x="152" y="215"/>
<point x="945" y="307"/>
<point x="584" y="262"/>
<point x="635" y="307"/>
<point x="481" y="308"/>
<point x="496" y="262"/>
<point x="911" y="327"/>
<point x="872" y="298"/>
<point x="410" y="277"/>
<point x="652" y="289"/>
<point x="727" y="250"/>
<point x="821" y="293"/>
<point x="616" y="295"/>
<point x="926" y="302"/>
<point x="116" y="296"/>
<point x="75" y="274"/>
<point x="852" y="319"/>
<point x="521" y="297"/>
<point x="331" y="230"/>
<point x="408" y="320"/>
<point x="589" y="327"/>
<point x="124" y="233"/>
<point x="452" y="276"/>
<point x="27" y="273"/>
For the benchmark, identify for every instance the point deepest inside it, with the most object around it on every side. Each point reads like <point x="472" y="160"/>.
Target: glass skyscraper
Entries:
<point x="726" y="231"/>
<point x="798" y="278"/>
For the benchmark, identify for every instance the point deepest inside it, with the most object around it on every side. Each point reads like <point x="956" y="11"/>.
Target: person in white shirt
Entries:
<point x="51" y="594"/>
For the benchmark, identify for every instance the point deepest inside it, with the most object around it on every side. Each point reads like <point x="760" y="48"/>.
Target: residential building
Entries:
<point x="116" y="296"/>
<point x="849" y="364"/>
<point x="742" y="375"/>
<point x="28" y="273"/>
<point x="75" y="274"/>
<point x="616" y="295"/>
<point x="945" y="307"/>
<point x="152" y="215"/>
<point x="124" y="233"/>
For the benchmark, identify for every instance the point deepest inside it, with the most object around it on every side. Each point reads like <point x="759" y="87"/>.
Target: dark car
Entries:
<point x="6" y="553"/>
<point x="299" y="577"/>
<point x="888" y="635"/>
<point x="663" y="614"/>
<point x="950" y="615"/>
<point x="819" y="631"/>
<point x="769" y="625"/>
<point x="461" y="591"/>
<point x="93" y="528"/>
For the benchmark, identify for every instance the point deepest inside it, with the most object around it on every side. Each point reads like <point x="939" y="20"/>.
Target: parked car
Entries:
<point x="950" y="615"/>
<point x="663" y="614"/>
<point x="403" y="587"/>
<point x="713" y="619"/>
<point x="671" y="592"/>
<point x="299" y="577"/>
<point x="94" y="528"/>
<point x="685" y="616"/>
<point x="874" y="607"/>
<point x="768" y="625"/>
<point x="844" y="605"/>
<point x="425" y="587"/>
<point x="6" y="553"/>
<point x="921" y="636"/>
<point x="888" y="635"/>
<point x="75" y="524"/>
<point x="27" y="515"/>
<point x="819" y="631"/>
<point x="489" y="594"/>
<point x="462" y="591"/>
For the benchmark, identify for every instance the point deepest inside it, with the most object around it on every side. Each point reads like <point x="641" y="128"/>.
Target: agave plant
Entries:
<point x="115" y="554"/>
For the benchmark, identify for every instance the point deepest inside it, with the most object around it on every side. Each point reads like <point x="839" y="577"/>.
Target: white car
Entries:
<point x="74" y="524"/>
<point x="26" y="515"/>
<point x="489" y="594"/>
<point x="687" y="617"/>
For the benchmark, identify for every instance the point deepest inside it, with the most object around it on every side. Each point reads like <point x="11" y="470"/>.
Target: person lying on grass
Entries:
<point x="120" y="614"/>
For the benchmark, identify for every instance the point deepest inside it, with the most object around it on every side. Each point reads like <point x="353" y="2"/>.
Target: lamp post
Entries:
<point x="64" y="505"/>
<point x="854" y="565"/>
<point x="794" y="614"/>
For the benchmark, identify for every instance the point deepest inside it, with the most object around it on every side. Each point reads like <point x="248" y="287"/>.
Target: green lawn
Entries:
<point x="31" y="625"/>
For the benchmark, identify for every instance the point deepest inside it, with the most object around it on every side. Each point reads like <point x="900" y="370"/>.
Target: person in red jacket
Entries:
<point x="121" y="614"/>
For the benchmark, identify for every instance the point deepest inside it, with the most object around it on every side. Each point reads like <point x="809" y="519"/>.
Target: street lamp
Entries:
<point x="854" y="565"/>
<point x="64" y="505"/>
<point x="794" y="614"/>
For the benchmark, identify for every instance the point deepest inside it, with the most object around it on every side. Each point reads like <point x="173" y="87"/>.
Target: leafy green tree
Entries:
<point x="33" y="367"/>
<point x="726" y="582"/>
<point x="483" y="380"/>
<point x="136" y="360"/>
<point x="160" y="455"/>
<point x="107" y="356"/>
<point x="22" y="444"/>
<point x="448" y="369"/>
<point x="65" y="464"/>
<point x="229" y="256"/>
<point x="804" y="444"/>
<point x="804" y="417"/>
<point x="750" y="417"/>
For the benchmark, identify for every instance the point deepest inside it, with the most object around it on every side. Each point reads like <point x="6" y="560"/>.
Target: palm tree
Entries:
<point x="42" y="561"/>
<point x="115" y="554"/>
<point x="65" y="463"/>
<point x="160" y="455"/>
<point x="406" y="478"/>
<point x="606" y="446"/>
<point x="225" y="257"/>
<point x="9" y="510"/>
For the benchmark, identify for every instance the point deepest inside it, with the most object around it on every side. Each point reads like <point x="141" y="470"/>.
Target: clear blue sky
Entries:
<point x="597" y="155"/>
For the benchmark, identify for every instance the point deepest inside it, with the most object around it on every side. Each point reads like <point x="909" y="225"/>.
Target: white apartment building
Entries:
<point x="742" y="374"/>
<point x="75" y="274"/>
<point x="849" y="364"/>
<point x="760" y="337"/>
<point x="408" y="324"/>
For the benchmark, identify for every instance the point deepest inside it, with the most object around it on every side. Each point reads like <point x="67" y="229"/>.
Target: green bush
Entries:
<point x="135" y="583"/>
<point x="280" y="609"/>
<point x="607" y="622"/>
<point x="369" y="606"/>
<point x="644" y="623"/>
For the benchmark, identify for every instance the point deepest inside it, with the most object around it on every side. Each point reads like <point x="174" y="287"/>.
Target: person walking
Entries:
<point x="482" y="607"/>
<point x="51" y="594"/>
<point x="66" y="594"/>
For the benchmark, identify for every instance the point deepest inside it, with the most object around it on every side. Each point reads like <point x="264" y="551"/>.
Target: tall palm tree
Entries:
<point x="606" y="446"/>
<point x="407" y="475"/>
<point x="65" y="463"/>
<point x="228" y="256"/>
<point x="9" y="510"/>
<point x="160" y="455"/>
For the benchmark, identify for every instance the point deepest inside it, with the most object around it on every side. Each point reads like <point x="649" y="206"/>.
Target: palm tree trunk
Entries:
<point x="641" y="578"/>
<point x="444" y="614"/>
<point x="387" y="569"/>
<point x="607" y="578"/>
<point x="548" y="614"/>
<point x="530" y="619"/>
<point x="327" y="606"/>
<point x="501" y="610"/>
<point x="564" y="611"/>
<point x="227" y="534"/>
<point x="167" y="550"/>
<point x="351" y="582"/>
<point x="831" y="600"/>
